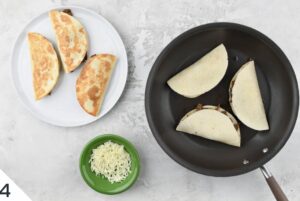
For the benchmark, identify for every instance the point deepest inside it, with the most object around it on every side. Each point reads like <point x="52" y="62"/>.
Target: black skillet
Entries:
<point x="278" y="85"/>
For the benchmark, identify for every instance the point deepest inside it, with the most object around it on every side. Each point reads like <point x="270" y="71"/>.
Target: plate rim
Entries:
<point x="17" y="90"/>
<point x="213" y="172"/>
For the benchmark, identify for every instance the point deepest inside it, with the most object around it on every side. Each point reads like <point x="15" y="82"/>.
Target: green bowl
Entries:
<point x="99" y="183"/>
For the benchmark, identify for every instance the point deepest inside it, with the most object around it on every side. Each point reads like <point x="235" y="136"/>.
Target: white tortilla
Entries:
<point x="213" y="123"/>
<point x="245" y="98"/>
<point x="201" y="76"/>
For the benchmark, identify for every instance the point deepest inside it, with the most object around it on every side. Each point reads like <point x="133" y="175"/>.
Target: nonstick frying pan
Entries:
<point x="278" y="85"/>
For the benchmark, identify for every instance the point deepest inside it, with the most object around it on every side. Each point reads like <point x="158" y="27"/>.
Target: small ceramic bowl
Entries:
<point x="99" y="183"/>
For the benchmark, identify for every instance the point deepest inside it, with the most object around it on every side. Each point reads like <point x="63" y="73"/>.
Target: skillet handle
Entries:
<point x="274" y="186"/>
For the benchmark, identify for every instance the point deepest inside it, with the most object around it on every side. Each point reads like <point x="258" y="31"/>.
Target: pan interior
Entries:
<point x="277" y="83"/>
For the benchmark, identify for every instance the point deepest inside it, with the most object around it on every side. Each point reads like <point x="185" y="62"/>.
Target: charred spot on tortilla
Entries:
<point x="68" y="11"/>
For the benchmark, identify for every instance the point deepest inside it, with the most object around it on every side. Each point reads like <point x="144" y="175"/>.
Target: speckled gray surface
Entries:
<point x="43" y="159"/>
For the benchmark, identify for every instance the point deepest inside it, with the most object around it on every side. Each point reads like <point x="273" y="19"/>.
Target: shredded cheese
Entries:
<point x="111" y="161"/>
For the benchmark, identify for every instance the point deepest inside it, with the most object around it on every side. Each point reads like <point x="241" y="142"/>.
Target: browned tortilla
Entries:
<point x="45" y="65"/>
<point x="93" y="80"/>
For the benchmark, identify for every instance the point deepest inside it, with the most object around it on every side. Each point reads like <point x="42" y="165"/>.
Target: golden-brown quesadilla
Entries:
<point x="45" y="65"/>
<point x="93" y="80"/>
<point x="71" y="39"/>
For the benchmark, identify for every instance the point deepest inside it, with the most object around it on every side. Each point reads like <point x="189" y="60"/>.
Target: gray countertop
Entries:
<point x="43" y="159"/>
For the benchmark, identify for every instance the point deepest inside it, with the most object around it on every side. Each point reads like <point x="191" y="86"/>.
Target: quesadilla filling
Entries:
<point x="68" y="11"/>
<point x="230" y="88"/>
<point x="232" y="83"/>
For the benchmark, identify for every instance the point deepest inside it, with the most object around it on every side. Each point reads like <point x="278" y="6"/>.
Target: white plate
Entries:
<point x="61" y="107"/>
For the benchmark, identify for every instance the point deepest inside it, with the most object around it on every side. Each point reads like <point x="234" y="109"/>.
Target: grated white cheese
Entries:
<point x="111" y="161"/>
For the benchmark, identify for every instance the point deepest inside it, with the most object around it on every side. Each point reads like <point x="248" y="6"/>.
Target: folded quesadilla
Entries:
<point x="201" y="76"/>
<point x="213" y="123"/>
<point x="93" y="80"/>
<point x="245" y="98"/>
<point x="45" y="65"/>
<point x="71" y="39"/>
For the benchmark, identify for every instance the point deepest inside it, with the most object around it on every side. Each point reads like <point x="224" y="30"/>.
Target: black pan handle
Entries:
<point x="274" y="186"/>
